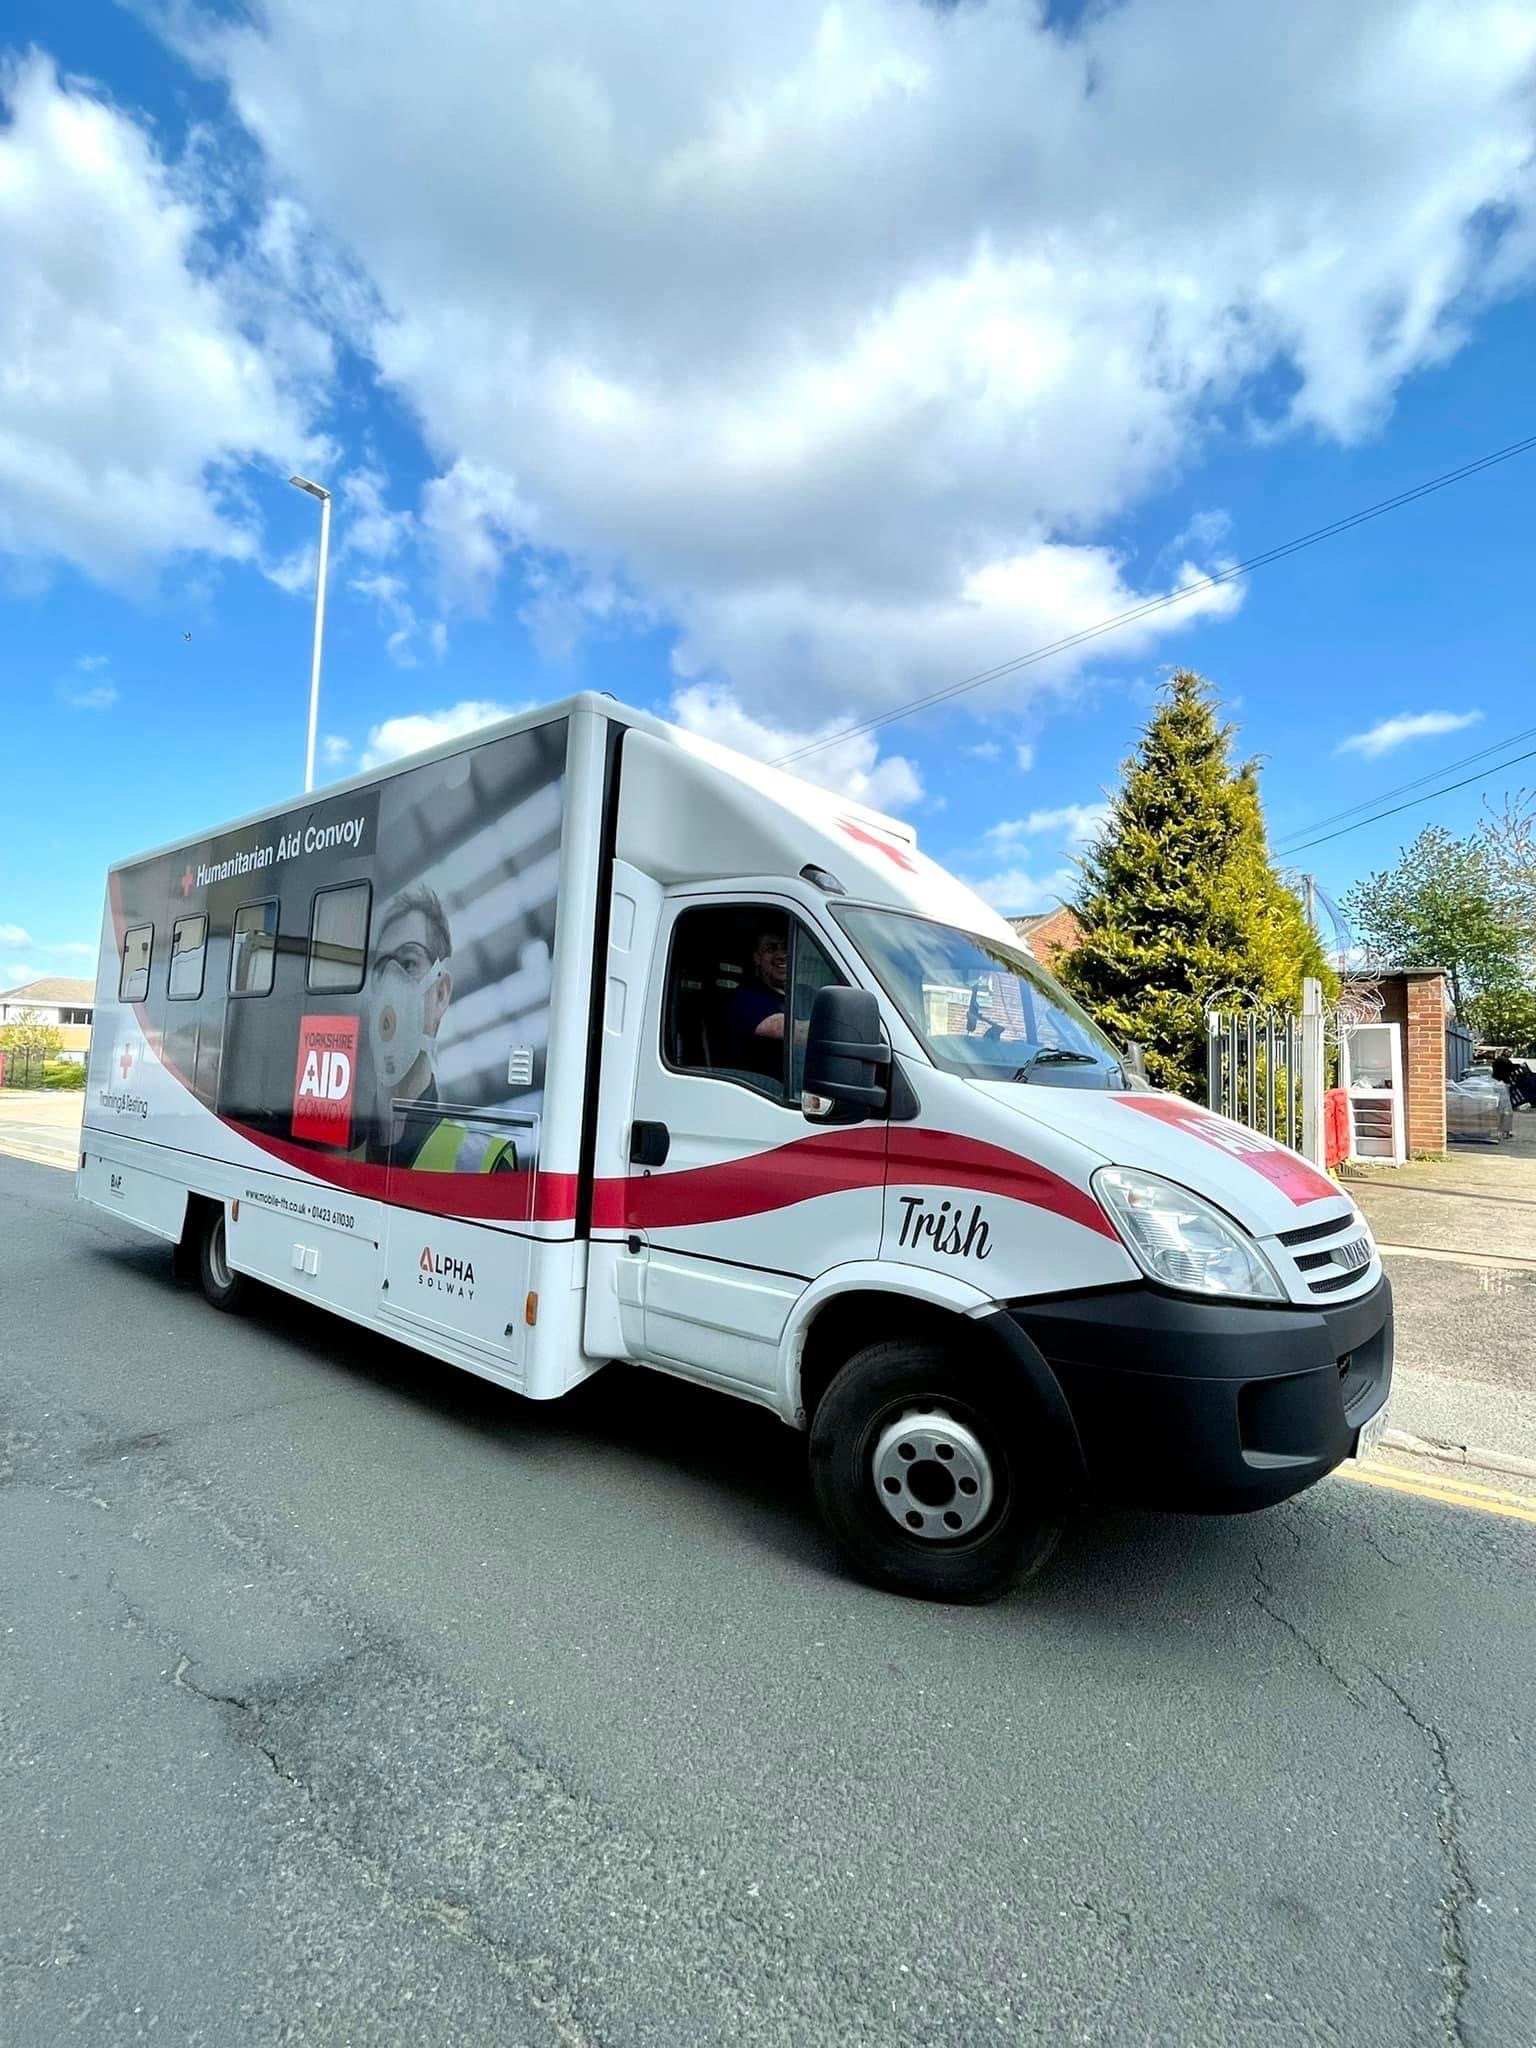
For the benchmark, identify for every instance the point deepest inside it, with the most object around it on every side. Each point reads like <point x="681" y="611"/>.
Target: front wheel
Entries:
<point x="930" y="1476"/>
<point x="221" y="1284"/>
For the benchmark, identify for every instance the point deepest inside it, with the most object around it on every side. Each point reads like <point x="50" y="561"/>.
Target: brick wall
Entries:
<point x="1424" y="1063"/>
<point x="1416" y="999"/>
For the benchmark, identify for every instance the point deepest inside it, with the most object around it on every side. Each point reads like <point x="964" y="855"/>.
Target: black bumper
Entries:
<point x="1179" y="1403"/>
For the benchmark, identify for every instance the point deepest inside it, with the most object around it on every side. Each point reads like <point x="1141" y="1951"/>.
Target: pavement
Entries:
<point x="1458" y="1236"/>
<point x="348" y="1699"/>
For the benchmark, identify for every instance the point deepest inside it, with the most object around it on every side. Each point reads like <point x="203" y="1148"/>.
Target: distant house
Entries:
<point x="1050" y="934"/>
<point x="61" y="999"/>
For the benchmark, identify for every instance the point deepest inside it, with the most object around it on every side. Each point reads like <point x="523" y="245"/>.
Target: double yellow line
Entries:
<point x="1451" y="1493"/>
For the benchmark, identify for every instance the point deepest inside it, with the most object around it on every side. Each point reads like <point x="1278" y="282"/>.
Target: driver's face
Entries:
<point x="771" y="959"/>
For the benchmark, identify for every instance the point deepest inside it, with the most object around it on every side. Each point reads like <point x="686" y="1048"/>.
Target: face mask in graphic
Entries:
<point x="397" y="1024"/>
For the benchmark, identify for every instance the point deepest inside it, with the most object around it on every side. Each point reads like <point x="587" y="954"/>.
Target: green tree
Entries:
<point x="1180" y="904"/>
<point x="1505" y="1016"/>
<point x="1509" y="836"/>
<point x="1443" y="905"/>
<point x="30" y="1043"/>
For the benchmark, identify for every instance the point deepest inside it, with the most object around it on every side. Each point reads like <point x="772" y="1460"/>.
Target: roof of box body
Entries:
<point x="782" y="822"/>
<point x="598" y="701"/>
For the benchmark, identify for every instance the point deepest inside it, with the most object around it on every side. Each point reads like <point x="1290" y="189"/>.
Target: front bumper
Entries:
<point x="1212" y="1406"/>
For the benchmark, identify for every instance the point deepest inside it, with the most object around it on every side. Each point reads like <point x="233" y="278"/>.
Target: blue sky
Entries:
<point x="870" y="348"/>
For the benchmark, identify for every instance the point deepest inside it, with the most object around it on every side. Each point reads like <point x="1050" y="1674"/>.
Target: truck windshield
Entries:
<point x="979" y="1007"/>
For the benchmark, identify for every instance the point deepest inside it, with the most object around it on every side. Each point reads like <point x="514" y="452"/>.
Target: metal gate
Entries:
<point x="1264" y="1068"/>
<point x="1460" y="1045"/>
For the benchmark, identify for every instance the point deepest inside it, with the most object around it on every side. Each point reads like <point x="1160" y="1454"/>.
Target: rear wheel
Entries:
<point x="932" y="1476"/>
<point x="221" y="1284"/>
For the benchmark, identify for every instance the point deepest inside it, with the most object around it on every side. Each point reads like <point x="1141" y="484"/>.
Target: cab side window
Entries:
<point x="740" y="984"/>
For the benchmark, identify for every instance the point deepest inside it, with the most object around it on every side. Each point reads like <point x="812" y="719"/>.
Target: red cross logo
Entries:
<point x="125" y="1061"/>
<point x="888" y="847"/>
<point x="186" y="881"/>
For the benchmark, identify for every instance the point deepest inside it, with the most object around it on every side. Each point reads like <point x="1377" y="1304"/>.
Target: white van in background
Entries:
<point x="583" y="1039"/>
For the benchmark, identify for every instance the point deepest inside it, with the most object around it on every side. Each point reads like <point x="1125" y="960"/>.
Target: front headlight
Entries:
<point x="1181" y="1241"/>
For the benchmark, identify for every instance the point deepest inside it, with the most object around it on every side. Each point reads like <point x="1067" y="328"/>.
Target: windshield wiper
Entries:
<point x="1054" y="1056"/>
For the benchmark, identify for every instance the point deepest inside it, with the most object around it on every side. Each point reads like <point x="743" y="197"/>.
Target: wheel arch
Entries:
<point x="855" y="1306"/>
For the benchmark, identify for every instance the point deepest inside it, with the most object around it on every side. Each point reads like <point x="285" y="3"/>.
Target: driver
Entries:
<point x="754" y="1020"/>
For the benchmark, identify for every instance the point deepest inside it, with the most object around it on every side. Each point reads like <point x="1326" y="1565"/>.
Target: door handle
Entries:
<point x="649" y="1144"/>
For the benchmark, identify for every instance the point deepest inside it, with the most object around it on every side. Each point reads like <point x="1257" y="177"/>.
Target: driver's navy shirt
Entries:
<point x="752" y="1003"/>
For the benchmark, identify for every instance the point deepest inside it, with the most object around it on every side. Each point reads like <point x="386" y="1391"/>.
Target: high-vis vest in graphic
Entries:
<point x="452" y="1147"/>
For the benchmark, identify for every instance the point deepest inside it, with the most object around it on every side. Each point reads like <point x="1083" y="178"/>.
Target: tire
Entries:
<point x="222" y="1287"/>
<point x="907" y="1422"/>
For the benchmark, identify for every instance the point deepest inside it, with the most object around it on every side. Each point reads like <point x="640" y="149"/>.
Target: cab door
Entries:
<point x="734" y="1202"/>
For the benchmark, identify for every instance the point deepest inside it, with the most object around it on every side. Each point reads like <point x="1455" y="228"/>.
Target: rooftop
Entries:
<point x="68" y="989"/>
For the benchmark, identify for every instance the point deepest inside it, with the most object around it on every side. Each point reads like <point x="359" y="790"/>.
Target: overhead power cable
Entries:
<point x="1428" y="796"/>
<point x="1402" y="788"/>
<point x="1148" y="606"/>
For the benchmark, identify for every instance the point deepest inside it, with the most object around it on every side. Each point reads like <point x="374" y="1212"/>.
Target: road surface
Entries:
<point x="346" y="1699"/>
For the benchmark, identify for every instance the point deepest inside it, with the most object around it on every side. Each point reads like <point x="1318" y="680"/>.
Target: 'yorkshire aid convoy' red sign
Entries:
<point x="324" y="1079"/>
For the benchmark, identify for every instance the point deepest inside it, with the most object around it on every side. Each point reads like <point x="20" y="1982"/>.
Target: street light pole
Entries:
<point x="316" y="491"/>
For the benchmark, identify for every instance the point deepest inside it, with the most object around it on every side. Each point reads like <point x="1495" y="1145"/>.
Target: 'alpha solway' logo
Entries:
<point x="324" y="1079"/>
<point x="445" y="1274"/>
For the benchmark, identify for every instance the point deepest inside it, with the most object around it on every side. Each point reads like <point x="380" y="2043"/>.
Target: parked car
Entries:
<point x="1477" y="1106"/>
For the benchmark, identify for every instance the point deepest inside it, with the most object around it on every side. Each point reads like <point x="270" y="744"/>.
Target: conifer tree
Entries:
<point x="1179" y="903"/>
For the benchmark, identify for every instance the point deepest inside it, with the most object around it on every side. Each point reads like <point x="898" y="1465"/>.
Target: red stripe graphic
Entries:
<point x="487" y="1197"/>
<point x="1296" y="1179"/>
<point x="940" y="1159"/>
<point x="829" y="1163"/>
<point x="832" y="1163"/>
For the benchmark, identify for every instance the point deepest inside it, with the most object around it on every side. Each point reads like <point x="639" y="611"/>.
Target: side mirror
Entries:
<point x="846" y="1057"/>
<point x="1135" y="1062"/>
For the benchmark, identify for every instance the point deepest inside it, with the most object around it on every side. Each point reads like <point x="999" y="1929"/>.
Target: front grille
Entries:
<point x="1309" y="1232"/>
<point x="1333" y="1283"/>
<point x="1338" y="1254"/>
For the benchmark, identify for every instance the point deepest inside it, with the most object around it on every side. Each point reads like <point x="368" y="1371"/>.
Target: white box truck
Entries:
<point x="582" y="1039"/>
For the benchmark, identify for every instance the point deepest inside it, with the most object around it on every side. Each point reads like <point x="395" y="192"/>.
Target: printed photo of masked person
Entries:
<point x="410" y="986"/>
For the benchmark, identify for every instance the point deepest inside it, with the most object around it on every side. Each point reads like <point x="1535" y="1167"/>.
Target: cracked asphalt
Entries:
<point x="346" y="1699"/>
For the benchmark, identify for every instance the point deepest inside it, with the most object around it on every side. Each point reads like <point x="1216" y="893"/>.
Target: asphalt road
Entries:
<point x="346" y="1699"/>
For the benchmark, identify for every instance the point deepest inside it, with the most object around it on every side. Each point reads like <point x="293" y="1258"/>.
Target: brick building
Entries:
<point x="1050" y="933"/>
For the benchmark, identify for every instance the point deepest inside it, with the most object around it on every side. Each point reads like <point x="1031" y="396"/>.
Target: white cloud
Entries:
<point x="129" y="385"/>
<point x="398" y="615"/>
<point x="294" y="573"/>
<point x="1024" y="755"/>
<point x="1070" y="825"/>
<point x="369" y="527"/>
<point x="14" y="935"/>
<point x="1017" y="892"/>
<point x="984" y="750"/>
<point x="334" y="749"/>
<point x="471" y="517"/>
<point x="836" y="343"/>
<point x="415" y="731"/>
<point x="855" y="767"/>
<point x="75" y="949"/>
<point x="1408" y="725"/>
<point x="13" y="973"/>
<point x="81" y="694"/>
